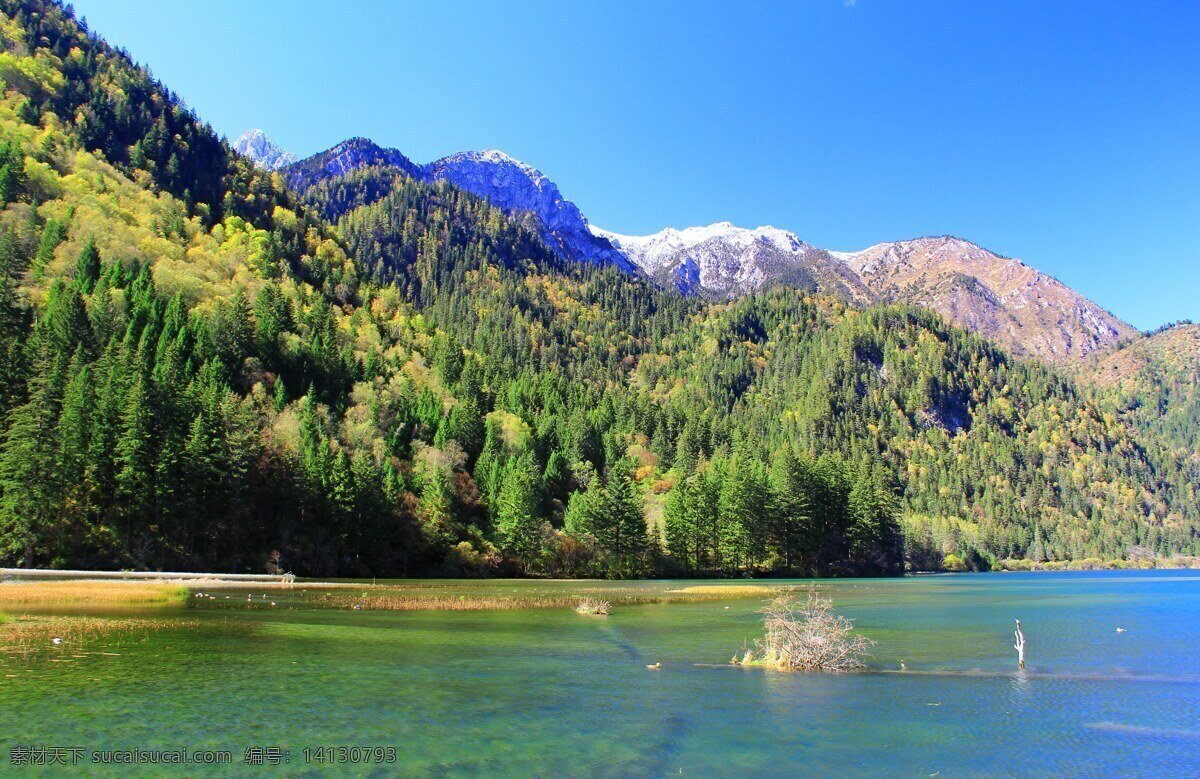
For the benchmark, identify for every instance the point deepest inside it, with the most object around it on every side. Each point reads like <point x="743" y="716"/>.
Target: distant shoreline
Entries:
<point x="219" y="579"/>
<point x="51" y="573"/>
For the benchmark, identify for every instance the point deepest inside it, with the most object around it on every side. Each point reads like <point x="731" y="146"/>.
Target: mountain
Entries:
<point x="514" y="186"/>
<point x="1168" y="355"/>
<point x="722" y="260"/>
<point x="346" y="156"/>
<point x="1026" y="311"/>
<point x="258" y="147"/>
<point x="1003" y="299"/>
<point x="505" y="182"/>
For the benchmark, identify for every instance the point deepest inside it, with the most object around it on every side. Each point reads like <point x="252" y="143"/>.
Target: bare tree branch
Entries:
<point x="807" y="638"/>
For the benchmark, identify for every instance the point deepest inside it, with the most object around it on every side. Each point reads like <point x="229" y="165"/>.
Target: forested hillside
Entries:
<point x="379" y="376"/>
<point x="1153" y="385"/>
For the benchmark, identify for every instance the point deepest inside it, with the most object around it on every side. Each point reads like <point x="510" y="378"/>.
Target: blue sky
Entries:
<point x="1063" y="133"/>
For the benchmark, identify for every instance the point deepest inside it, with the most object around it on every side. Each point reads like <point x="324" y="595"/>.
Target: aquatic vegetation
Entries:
<point x="59" y="593"/>
<point x="593" y="606"/>
<point x="28" y="635"/>
<point x="728" y="590"/>
<point x="808" y="637"/>
<point x="407" y="600"/>
<point x="449" y="598"/>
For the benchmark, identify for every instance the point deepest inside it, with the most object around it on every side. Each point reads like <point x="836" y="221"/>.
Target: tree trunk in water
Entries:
<point x="1019" y="645"/>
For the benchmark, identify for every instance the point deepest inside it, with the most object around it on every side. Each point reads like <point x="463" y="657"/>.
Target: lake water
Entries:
<point x="546" y="692"/>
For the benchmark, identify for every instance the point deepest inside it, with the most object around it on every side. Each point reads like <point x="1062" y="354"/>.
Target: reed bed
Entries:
<point x="729" y="590"/>
<point x="89" y="592"/>
<point x="387" y="598"/>
<point x="78" y="635"/>
<point x="217" y="583"/>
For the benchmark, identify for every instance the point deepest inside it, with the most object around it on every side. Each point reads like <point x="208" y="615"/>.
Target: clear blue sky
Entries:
<point x="1063" y="133"/>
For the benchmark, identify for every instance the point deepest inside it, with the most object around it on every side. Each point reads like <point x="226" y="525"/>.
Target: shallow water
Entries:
<point x="547" y="692"/>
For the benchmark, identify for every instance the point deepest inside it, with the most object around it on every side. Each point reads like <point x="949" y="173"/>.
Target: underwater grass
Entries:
<point x="89" y="592"/>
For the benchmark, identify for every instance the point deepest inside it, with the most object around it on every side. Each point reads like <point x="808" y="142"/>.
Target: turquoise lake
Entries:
<point x="547" y="692"/>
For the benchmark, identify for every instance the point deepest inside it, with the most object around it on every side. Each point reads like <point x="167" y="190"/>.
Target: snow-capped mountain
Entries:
<point x="514" y="186"/>
<point x="259" y="147"/>
<point x="1026" y="311"/>
<point x="724" y="260"/>
<point x="1004" y="299"/>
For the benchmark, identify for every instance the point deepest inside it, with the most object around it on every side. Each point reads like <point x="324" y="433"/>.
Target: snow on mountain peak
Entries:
<point x="653" y="252"/>
<point x="260" y="149"/>
<point x="724" y="259"/>
<point x="487" y="158"/>
<point x="498" y="157"/>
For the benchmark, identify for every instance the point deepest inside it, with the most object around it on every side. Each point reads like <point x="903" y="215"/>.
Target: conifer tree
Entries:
<point x="87" y="268"/>
<point x="518" y="528"/>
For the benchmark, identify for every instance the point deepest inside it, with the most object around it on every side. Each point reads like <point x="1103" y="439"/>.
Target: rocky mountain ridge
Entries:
<point x="1026" y="311"/>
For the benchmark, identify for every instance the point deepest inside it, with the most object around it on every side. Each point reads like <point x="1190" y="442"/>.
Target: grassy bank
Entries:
<point x="16" y="595"/>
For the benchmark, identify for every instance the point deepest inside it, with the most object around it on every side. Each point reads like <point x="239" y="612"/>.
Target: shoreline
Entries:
<point x="211" y="579"/>
<point x="156" y="576"/>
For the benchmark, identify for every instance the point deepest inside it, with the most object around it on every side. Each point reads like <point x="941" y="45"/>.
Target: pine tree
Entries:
<point x="135" y="462"/>
<point x="518" y="527"/>
<point x="628" y="539"/>
<point x="30" y="493"/>
<point x="437" y="510"/>
<point x="74" y="432"/>
<point x="87" y="268"/>
<point x="679" y="527"/>
<point x="790" y="526"/>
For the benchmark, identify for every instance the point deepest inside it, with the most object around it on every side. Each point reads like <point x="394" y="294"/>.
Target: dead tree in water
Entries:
<point x="1019" y="645"/>
<point x="807" y="637"/>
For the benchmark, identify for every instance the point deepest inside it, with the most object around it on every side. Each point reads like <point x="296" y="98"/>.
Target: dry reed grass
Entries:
<point x="728" y="590"/>
<point x="32" y="635"/>
<point x="402" y="598"/>
<point x="89" y="592"/>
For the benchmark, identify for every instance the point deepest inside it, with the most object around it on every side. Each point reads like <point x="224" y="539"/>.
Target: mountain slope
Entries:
<point x="757" y="374"/>
<point x="1026" y="311"/>
<point x="346" y="156"/>
<point x="1154" y="382"/>
<point x="514" y="186"/>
